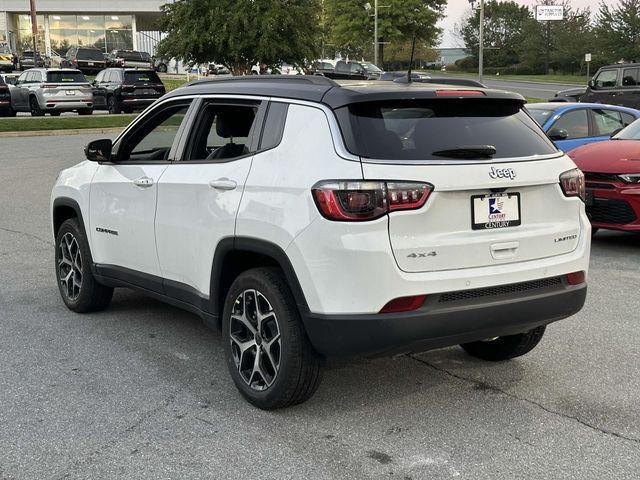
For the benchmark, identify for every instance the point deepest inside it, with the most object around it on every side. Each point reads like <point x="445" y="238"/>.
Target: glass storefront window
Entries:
<point x="91" y="31"/>
<point x="63" y="32"/>
<point x="119" y="32"/>
<point x="25" y="36"/>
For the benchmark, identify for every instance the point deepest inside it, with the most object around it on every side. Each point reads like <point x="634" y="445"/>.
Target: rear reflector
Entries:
<point x="459" y="93"/>
<point x="404" y="304"/>
<point x="576" y="278"/>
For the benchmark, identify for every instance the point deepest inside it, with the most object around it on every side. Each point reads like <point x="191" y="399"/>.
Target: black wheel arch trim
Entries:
<point x="69" y="203"/>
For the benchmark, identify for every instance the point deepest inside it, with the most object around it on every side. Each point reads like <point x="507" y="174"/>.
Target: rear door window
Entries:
<point x="631" y="77"/>
<point x="606" y="121"/>
<point x="416" y="129"/>
<point x="342" y="67"/>
<point x="574" y="122"/>
<point x="274" y="125"/>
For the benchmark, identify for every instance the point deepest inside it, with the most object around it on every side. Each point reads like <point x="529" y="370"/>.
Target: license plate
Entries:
<point x="71" y="92"/>
<point x="495" y="210"/>
<point x="91" y="64"/>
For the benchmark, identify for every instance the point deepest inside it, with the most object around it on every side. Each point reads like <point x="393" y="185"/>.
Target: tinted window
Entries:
<point x="415" y="129"/>
<point x="66" y="77"/>
<point x="627" y="118"/>
<point x="540" y="115"/>
<point x="355" y="68"/>
<point x="135" y="56"/>
<point x="274" y="125"/>
<point x="153" y="139"/>
<point x="223" y="132"/>
<point x="630" y="77"/>
<point x="89" y="54"/>
<point x="606" y="79"/>
<point x="574" y="122"/>
<point x="632" y="132"/>
<point x="342" y="67"/>
<point x="140" y="77"/>
<point x="100" y="76"/>
<point x="370" y="67"/>
<point x="606" y="121"/>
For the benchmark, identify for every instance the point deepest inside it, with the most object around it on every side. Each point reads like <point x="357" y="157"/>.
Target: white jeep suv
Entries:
<point x="308" y="219"/>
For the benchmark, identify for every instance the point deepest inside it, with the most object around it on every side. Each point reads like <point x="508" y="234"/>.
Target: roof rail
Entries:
<point x="309" y="79"/>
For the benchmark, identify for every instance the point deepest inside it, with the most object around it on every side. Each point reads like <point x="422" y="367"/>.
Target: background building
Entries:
<point x="106" y="24"/>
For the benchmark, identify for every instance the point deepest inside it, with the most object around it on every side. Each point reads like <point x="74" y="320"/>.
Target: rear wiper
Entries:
<point x="470" y="151"/>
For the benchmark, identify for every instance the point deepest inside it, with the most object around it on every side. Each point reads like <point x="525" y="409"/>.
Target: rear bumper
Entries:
<point x="615" y="206"/>
<point x="66" y="105"/>
<point x="441" y="323"/>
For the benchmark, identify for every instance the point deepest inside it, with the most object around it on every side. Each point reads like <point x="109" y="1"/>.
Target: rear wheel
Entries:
<point x="36" y="111"/>
<point x="79" y="290"/>
<point x="269" y="356"/>
<point x="507" y="347"/>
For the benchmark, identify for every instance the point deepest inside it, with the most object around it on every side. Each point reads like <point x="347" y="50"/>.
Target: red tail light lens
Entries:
<point x="460" y="93"/>
<point x="572" y="184"/>
<point x="345" y="200"/>
<point x="576" y="278"/>
<point x="404" y="304"/>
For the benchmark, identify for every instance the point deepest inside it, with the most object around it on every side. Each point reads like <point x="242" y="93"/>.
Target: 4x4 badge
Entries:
<point x="502" y="173"/>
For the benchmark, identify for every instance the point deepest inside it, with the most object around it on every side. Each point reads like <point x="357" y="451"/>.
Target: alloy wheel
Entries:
<point x="254" y="334"/>
<point x="70" y="266"/>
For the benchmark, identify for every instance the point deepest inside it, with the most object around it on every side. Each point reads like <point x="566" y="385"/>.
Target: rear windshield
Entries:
<point x="65" y="77"/>
<point x="415" y="129"/>
<point x="89" y="54"/>
<point x="540" y="115"/>
<point x="141" y="77"/>
<point x="135" y="56"/>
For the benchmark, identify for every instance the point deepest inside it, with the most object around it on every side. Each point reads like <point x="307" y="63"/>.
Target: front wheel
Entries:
<point x="112" y="105"/>
<point x="269" y="356"/>
<point x="505" y="348"/>
<point x="79" y="290"/>
<point x="36" y="111"/>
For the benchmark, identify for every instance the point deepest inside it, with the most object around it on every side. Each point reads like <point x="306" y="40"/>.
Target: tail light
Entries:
<point x="576" y="278"/>
<point x="404" y="304"/>
<point x="347" y="200"/>
<point x="572" y="184"/>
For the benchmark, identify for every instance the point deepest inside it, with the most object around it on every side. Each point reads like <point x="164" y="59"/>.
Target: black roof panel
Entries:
<point x="320" y="89"/>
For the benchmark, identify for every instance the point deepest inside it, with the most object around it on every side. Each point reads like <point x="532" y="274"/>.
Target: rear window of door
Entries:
<point x="342" y="67"/>
<point x="631" y="77"/>
<point x="416" y="129"/>
<point x="606" y="79"/>
<point x="574" y="122"/>
<point x="606" y="121"/>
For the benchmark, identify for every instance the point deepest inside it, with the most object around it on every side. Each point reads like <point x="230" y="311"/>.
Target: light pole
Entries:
<point x="376" y="43"/>
<point x="34" y="30"/>
<point x="480" y="40"/>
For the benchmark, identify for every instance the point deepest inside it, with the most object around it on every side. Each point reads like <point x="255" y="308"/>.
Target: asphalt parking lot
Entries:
<point x="141" y="391"/>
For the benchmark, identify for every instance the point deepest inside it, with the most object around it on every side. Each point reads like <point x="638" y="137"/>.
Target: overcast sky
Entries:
<point x="457" y="9"/>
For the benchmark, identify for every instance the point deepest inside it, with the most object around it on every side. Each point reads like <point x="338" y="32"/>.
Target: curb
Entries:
<point x="58" y="133"/>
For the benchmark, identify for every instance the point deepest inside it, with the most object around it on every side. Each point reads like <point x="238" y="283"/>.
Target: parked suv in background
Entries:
<point x="5" y="100"/>
<point x="130" y="59"/>
<point x="126" y="89"/>
<point x="615" y="85"/>
<point x="87" y="60"/>
<point x="353" y="71"/>
<point x="28" y="60"/>
<point x="308" y="219"/>
<point x="41" y="91"/>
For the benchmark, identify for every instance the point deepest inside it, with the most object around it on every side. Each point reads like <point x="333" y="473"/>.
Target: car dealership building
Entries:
<point x="106" y="24"/>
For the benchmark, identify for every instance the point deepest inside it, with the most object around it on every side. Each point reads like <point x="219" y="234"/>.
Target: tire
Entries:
<point x="55" y="114"/>
<point x="112" y="105"/>
<point x="289" y="370"/>
<point x="73" y="260"/>
<point x="34" y="106"/>
<point x="505" y="348"/>
<point x="85" y="111"/>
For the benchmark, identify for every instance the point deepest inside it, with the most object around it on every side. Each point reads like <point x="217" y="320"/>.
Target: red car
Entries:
<point x="612" y="173"/>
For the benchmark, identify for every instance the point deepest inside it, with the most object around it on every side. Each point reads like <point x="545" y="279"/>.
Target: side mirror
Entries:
<point x="615" y="132"/>
<point x="558" y="134"/>
<point x="591" y="84"/>
<point x="99" y="150"/>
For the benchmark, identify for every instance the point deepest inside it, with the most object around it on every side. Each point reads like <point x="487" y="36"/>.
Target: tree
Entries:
<point x="351" y="26"/>
<point x="241" y="33"/>
<point x="503" y="32"/>
<point x="617" y="30"/>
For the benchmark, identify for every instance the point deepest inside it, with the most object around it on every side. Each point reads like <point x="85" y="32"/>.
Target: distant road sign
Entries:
<point x="587" y="57"/>
<point x="549" y="12"/>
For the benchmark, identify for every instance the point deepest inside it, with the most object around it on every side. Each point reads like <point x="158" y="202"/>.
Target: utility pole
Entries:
<point x="34" y="31"/>
<point x="548" y="42"/>
<point x="375" y="32"/>
<point x="481" y="42"/>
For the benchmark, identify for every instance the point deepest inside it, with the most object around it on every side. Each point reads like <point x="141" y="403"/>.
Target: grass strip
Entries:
<point x="30" y="124"/>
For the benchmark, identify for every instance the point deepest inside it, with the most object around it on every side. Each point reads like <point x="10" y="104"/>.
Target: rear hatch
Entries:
<point x="497" y="200"/>
<point x="142" y="84"/>
<point x="133" y="59"/>
<point x="66" y="85"/>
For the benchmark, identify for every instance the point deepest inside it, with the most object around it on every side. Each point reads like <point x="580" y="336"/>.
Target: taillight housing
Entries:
<point x="576" y="278"/>
<point x="404" y="304"/>
<point x="358" y="200"/>
<point x="572" y="184"/>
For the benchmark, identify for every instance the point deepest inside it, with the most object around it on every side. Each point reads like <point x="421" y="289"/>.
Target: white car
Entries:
<point x="308" y="220"/>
